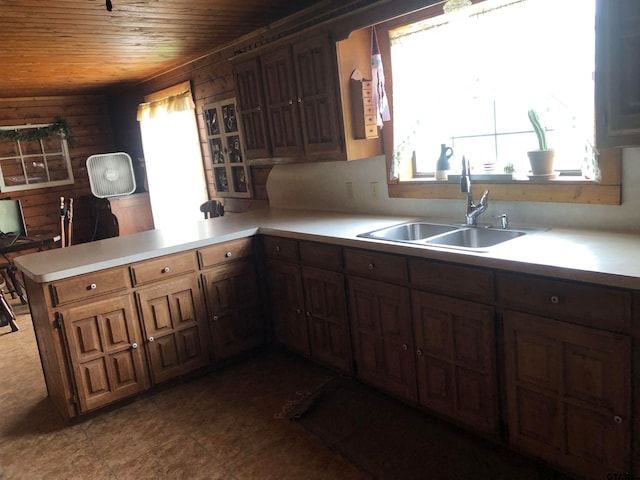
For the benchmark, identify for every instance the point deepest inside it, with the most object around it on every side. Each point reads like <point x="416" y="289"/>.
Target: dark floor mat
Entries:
<point x="393" y="441"/>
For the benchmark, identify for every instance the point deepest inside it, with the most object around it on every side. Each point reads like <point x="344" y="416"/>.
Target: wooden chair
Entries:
<point x="212" y="208"/>
<point x="7" y="317"/>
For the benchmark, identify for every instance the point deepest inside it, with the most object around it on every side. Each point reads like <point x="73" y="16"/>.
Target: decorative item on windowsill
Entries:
<point x="442" y="165"/>
<point x="541" y="160"/>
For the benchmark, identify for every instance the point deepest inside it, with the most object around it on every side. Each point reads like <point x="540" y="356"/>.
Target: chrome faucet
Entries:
<point x="474" y="210"/>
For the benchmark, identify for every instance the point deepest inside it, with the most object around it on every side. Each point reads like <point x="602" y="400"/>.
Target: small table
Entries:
<point x="35" y="242"/>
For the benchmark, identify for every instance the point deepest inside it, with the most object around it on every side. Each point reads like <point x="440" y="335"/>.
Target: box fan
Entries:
<point x="111" y="174"/>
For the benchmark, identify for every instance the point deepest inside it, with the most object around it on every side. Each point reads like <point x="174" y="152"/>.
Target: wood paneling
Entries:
<point x="55" y="46"/>
<point x="88" y="117"/>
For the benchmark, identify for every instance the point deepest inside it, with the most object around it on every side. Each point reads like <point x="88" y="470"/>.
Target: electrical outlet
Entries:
<point x="349" y="186"/>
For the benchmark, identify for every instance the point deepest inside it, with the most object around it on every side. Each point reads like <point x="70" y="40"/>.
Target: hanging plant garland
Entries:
<point x="59" y="127"/>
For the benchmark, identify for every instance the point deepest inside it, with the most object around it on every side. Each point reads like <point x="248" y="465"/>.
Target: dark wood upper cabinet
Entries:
<point x="251" y="108"/>
<point x="617" y="73"/>
<point x="316" y="95"/>
<point x="282" y="103"/>
<point x="288" y="101"/>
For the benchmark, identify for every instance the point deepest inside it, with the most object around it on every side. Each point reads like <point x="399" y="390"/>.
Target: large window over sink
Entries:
<point x="468" y="78"/>
<point x="468" y="81"/>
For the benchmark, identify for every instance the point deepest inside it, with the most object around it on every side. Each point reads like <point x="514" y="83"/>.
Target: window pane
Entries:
<point x="12" y="172"/>
<point x="57" y="168"/>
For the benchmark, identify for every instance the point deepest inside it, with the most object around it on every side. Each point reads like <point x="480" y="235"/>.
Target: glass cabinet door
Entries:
<point x="226" y="150"/>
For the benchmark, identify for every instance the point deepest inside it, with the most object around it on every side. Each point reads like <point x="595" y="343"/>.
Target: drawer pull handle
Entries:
<point x="405" y="346"/>
<point x="298" y="311"/>
<point x="165" y="270"/>
<point x="134" y="345"/>
<point x="151" y="339"/>
<point x="277" y="248"/>
<point x="370" y="266"/>
<point x="228" y="254"/>
<point x="617" y="419"/>
<point x="308" y="314"/>
<point x="555" y="299"/>
<point x="419" y="352"/>
<point x="215" y="318"/>
<point x="93" y="286"/>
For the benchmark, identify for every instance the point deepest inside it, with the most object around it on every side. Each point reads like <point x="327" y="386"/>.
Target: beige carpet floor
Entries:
<point x="231" y="424"/>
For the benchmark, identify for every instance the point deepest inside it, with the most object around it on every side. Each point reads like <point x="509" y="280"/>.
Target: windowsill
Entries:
<point x="502" y="179"/>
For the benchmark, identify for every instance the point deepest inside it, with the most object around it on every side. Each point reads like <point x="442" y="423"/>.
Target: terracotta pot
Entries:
<point x="541" y="161"/>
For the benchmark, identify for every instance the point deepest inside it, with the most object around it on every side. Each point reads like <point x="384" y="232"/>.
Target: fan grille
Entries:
<point x="111" y="174"/>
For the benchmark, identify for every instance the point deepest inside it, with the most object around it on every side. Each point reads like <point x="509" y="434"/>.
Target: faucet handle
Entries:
<point x="483" y="199"/>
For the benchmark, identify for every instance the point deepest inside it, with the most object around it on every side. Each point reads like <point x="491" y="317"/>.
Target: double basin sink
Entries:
<point x="452" y="236"/>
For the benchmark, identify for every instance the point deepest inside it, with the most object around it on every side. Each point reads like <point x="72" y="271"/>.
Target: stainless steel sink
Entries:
<point x="410" y="232"/>
<point x="475" y="238"/>
<point x="451" y="236"/>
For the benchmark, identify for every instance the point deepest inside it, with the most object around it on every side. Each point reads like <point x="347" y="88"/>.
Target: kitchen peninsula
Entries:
<point x="545" y="322"/>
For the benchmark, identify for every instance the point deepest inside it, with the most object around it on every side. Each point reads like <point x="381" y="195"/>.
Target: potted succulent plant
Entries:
<point x="541" y="160"/>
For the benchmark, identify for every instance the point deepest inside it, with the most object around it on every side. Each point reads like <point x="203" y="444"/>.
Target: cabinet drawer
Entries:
<point x="90" y="285"/>
<point x="591" y="305"/>
<point x="321" y="255"/>
<point x="367" y="85"/>
<point x="163" y="267"/>
<point x="381" y="266"/>
<point x="450" y="279"/>
<point x="278" y="247"/>
<point x="225" y="252"/>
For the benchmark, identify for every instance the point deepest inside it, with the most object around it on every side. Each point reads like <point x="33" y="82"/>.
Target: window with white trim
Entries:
<point x="32" y="156"/>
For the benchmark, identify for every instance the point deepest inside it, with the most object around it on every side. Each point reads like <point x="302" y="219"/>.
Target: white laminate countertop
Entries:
<point x="592" y="256"/>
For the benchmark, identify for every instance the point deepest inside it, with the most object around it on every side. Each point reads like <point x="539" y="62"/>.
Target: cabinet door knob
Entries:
<point x="93" y="286"/>
<point x="151" y="339"/>
<point x="555" y="299"/>
<point x="228" y="254"/>
<point x="405" y="346"/>
<point x="617" y="419"/>
<point x="370" y="266"/>
<point x="298" y="311"/>
<point x="277" y="248"/>
<point x="290" y="102"/>
<point x="299" y="100"/>
<point x="419" y="352"/>
<point x="134" y="345"/>
<point x="215" y="318"/>
<point x="165" y="270"/>
<point x="308" y="314"/>
<point x="259" y="108"/>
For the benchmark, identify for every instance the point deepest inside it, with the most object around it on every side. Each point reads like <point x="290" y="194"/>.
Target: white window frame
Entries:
<point x="42" y="156"/>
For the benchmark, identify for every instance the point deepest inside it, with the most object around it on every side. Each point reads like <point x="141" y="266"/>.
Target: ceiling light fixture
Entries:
<point x="455" y="5"/>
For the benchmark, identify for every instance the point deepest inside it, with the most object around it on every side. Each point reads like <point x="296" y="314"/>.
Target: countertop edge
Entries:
<point x="578" y="258"/>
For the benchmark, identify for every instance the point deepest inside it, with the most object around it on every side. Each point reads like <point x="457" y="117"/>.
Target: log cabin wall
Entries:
<point x="88" y="118"/>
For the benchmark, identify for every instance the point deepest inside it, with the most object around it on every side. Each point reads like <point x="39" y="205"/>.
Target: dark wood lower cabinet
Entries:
<point x="382" y="337"/>
<point x="456" y="359"/>
<point x="568" y="394"/>
<point x="287" y="304"/>
<point x="107" y="359"/>
<point x="235" y="316"/>
<point x="327" y="319"/>
<point x="173" y="321"/>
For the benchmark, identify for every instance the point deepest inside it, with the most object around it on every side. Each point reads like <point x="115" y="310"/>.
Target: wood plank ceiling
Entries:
<point x="62" y="47"/>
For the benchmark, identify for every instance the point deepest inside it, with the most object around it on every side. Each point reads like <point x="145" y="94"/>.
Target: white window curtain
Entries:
<point x="175" y="175"/>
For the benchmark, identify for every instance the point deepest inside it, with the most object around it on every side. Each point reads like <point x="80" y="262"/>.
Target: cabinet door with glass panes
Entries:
<point x="230" y="171"/>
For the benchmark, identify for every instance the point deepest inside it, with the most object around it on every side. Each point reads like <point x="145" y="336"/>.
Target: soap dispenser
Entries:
<point x="443" y="166"/>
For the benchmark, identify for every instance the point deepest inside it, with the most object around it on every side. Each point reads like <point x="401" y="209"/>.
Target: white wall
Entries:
<point x="322" y="186"/>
